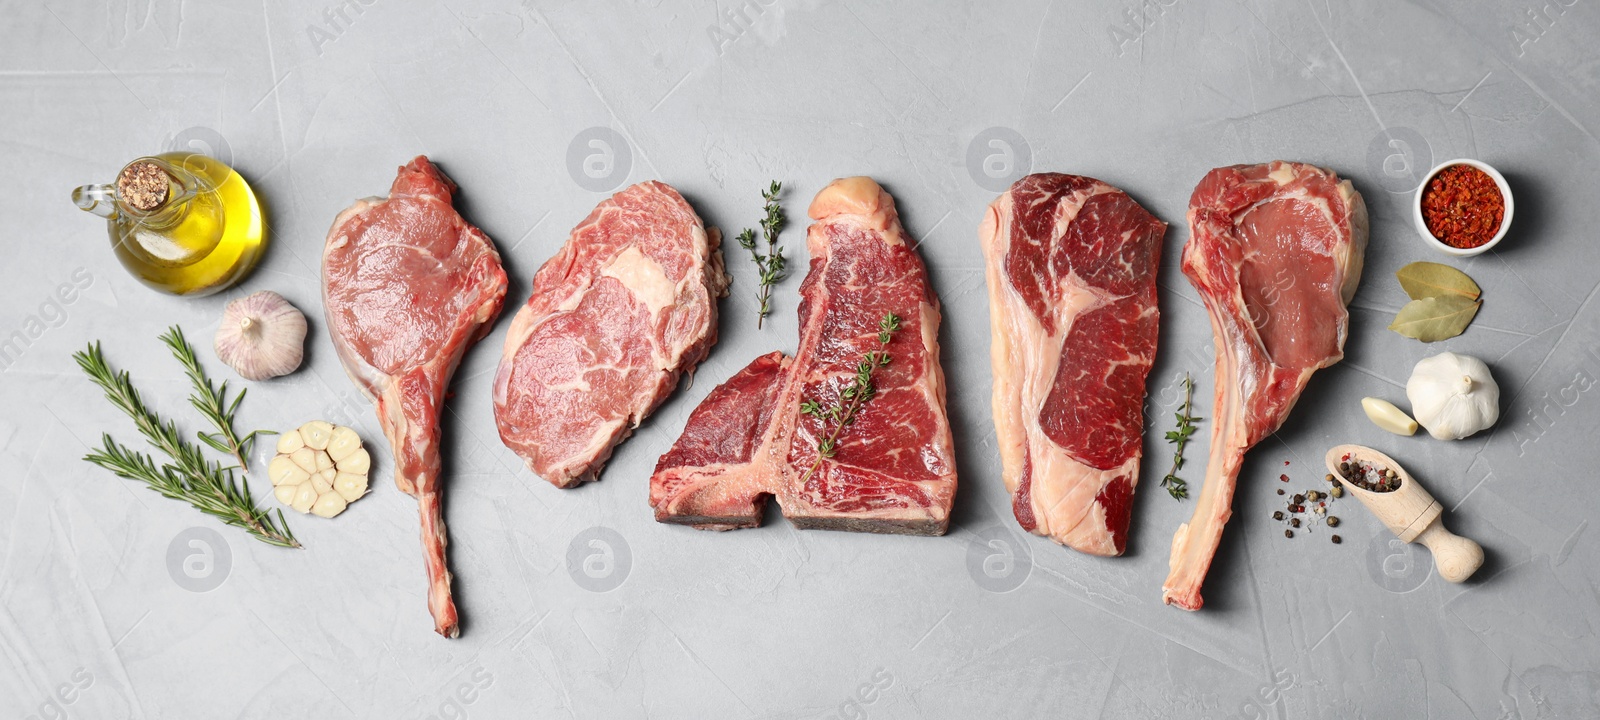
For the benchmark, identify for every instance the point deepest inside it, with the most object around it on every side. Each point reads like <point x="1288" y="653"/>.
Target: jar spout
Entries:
<point x="98" y="199"/>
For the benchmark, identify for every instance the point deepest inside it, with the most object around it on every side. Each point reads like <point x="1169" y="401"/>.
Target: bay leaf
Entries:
<point x="1432" y="319"/>
<point x="1428" y="279"/>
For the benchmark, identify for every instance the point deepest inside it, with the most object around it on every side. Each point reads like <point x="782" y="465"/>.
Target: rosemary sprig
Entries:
<point x="771" y="265"/>
<point x="853" y="396"/>
<point x="1175" y="486"/>
<point x="212" y="402"/>
<point x="204" y="484"/>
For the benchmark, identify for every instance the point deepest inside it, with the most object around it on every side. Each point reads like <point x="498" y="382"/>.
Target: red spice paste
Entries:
<point x="1462" y="206"/>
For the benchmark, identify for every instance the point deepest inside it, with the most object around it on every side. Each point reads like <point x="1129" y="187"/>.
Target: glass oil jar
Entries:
<point x="181" y="222"/>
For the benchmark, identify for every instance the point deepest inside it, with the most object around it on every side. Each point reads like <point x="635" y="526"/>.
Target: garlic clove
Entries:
<point x="306" y="458"/>
<point x="324" y="462"/>
<point x="350" y="486"/>
<point x="283" y="471"/>
<point x="322" y="482"/>
<point x="261" y="336"/>
<point x="317" y="433"/>
<point x="1385" y="415"/>
<point x="357" y="462"/>
<point x="286" y="493"/>
<point x="329" y="505"/>
<point x="290" y="442"/>
<point x="304" y="498"/>
<point x="342" y="443"/>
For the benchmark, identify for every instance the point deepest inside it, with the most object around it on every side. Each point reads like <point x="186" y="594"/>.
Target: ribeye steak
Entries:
<point x="407" y="287"/>
<point x="893" y="471"/>
<point x="1071" y="265"/>
<point x="1275" y="251"/>
<point x="627" y="306"/>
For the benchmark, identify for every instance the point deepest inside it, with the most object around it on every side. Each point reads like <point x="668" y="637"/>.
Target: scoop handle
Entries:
<point x="1455" y="557"/>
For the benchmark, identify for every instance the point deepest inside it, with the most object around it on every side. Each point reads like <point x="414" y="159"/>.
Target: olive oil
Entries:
<point x="181" y="222"/>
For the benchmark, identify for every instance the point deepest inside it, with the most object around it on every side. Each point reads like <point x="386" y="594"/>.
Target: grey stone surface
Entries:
<point x="118" y="603"/>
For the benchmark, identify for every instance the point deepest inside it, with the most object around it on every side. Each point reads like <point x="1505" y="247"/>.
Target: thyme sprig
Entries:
<point x="189" y="476"/>
<point x="212" y="402"/>
<point x="771" y="265"/>
<point x="1177" y="487"/>
<point x="859" y="392"/>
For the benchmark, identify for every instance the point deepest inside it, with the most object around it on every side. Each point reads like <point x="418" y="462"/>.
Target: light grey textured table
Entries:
<point x="119" y="603"/>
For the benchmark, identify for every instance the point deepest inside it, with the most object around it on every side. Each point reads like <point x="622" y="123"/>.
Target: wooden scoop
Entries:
<point x="1411" y="513"/>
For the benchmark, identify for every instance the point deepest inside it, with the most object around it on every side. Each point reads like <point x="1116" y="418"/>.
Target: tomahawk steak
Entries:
<point x="893" y="471"/>
<point x="1275" y="251"/>
<point x="1071" y="265"/>
<point x="616" y="316"/>
<point x="407" y="287"/>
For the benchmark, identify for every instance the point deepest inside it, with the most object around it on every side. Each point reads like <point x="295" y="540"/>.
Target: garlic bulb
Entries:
<point x="262" y="336"/>
<point x="1453" y="396"/>
<point x="320" y="468"/>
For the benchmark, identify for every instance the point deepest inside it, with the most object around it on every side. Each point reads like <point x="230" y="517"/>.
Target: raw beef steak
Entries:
<point x="616" y="316"/>
<point x="1275" y="251"/>
<point x="1071" y="265"/>
<point x="893" y="471"/>
<point x="407" y="287"/>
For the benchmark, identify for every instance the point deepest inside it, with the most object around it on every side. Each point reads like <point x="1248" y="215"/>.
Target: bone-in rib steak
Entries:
<point x="407" y="287"/>
<point x="1275" y="251"/>
<point x="1071" y="265"/>
<point x="616" y="316"/>
<point x="748" y="441"/>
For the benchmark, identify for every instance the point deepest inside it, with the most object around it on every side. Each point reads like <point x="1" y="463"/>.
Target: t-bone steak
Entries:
<point x="407" y="287"/>
<point x="893" y="471"/>
<point x="1071" y="265"/>
<point x="625" y="308"/>
<point x="1275" y="251"/>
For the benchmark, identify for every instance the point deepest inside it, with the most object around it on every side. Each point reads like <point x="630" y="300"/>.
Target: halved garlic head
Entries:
<point x="320" y="468"/>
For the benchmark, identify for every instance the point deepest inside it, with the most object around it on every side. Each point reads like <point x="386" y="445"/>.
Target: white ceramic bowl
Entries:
<point x="1436" y="243"/>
